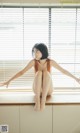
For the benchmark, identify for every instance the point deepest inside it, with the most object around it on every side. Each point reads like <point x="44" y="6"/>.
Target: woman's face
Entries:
<point x="37" y="54"/>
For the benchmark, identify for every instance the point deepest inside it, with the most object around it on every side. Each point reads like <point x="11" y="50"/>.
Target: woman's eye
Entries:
<point x="37" y="51"/>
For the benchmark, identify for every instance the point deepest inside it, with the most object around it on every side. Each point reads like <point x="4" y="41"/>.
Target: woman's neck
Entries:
<point x="42" y="61"/>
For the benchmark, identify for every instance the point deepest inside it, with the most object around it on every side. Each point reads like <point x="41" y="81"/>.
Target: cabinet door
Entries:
<point x="35" y="122"/>
<point x="66" y="119"/>
<point x="9" y="115"/>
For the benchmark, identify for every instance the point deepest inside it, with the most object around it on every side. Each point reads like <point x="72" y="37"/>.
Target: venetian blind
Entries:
<point x="21" y="28"/>
<point x="65" y="44"/>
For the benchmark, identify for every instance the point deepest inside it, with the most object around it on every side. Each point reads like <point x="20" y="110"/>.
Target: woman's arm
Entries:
<point x="55" y="65"/>
<point x="20" y="73"/>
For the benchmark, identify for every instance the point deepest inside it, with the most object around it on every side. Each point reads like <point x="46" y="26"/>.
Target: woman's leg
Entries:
<point x="37" y="89"/>
<point x="46" y="90"/>
<point x="50" y="89"/>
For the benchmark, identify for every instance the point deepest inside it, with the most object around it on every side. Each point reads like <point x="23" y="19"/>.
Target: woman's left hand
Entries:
<point x="78" y="80"/>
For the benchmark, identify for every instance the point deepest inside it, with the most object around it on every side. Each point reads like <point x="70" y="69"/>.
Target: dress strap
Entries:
<point x="48" y="65"/>
<point x="36" y="65"/>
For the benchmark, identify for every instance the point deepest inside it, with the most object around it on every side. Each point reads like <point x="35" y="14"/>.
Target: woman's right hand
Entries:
<point x="5" y="83"/>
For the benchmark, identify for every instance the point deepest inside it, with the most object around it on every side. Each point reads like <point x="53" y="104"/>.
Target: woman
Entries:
<point x="42" y="85"/>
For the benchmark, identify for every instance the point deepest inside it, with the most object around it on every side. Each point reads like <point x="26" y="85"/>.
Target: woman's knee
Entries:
<point x="46" y="72"/>
<point x="47" y="75"/>
<point x="39" y="73"/>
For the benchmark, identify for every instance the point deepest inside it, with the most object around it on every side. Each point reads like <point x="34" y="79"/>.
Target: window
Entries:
<point x="21" y="28"/>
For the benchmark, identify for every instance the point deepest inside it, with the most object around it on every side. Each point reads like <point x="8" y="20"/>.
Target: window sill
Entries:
<point x="26" y="97"/>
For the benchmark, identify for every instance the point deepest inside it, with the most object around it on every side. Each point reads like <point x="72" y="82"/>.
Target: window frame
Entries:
<point x="50" y="7"/>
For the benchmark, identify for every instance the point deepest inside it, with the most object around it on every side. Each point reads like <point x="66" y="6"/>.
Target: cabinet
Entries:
<point x="9" y="115"/>
<point x="35" y="122"/>
<point x="54" y="119"/>
<point x="66" y="119"/>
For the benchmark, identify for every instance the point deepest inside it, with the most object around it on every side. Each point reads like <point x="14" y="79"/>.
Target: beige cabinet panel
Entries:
<point x="35" y="122"/>
<point x="31" y="1"/>
<point x="66" y="119"/>
<point x="9" y="115"/>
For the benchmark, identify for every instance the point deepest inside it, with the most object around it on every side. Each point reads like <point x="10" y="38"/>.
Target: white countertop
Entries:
<point x="57" y="98"/>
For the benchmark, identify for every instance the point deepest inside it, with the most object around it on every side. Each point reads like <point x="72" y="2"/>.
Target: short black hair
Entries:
<point x="42" y="48"/>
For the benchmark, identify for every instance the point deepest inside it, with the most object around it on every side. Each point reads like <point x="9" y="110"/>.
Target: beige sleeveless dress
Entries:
<point x="39" y="67"/>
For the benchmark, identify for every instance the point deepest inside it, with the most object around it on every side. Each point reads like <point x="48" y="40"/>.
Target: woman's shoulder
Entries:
<point x="51" y="61"/>
<point x="32" y="61"/>
<point x="48" y="58"/>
